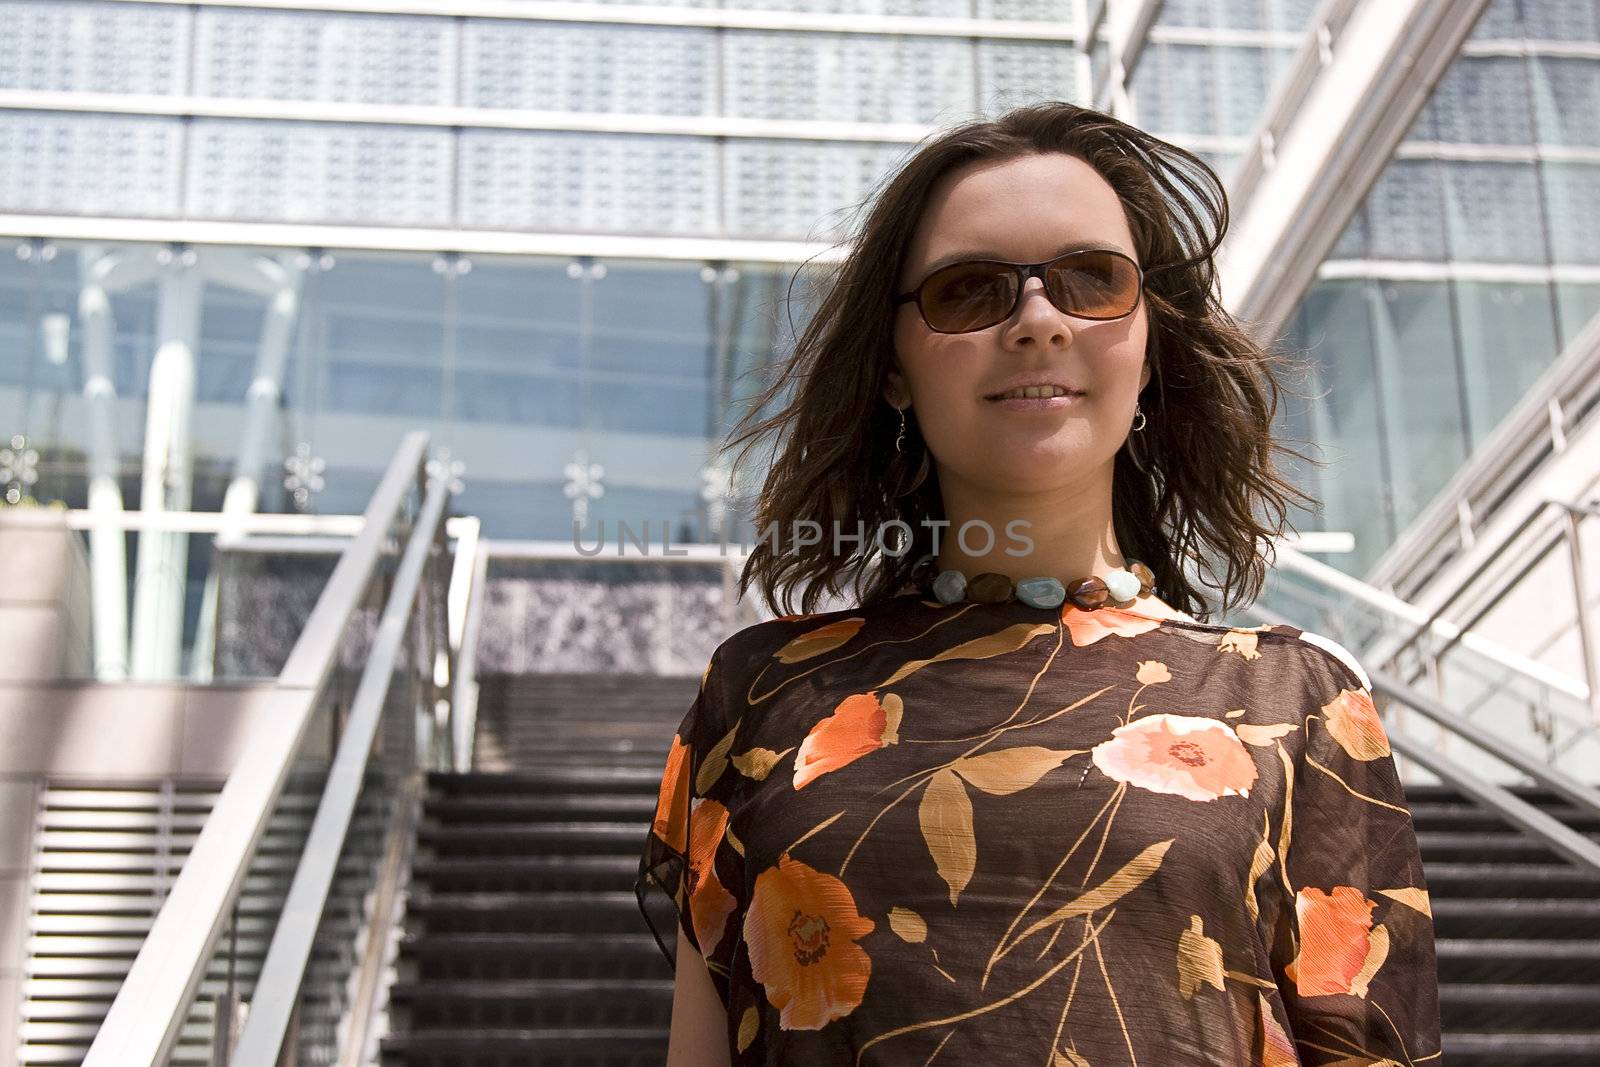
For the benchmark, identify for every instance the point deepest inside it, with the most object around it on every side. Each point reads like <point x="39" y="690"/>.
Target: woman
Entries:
<point x="1016" y="807"/>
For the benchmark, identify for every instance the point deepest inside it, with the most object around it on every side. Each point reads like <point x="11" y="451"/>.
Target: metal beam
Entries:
<point x="1353" y="92"/>
<point x="450" y="117"/>
<point x="416" y="239"/>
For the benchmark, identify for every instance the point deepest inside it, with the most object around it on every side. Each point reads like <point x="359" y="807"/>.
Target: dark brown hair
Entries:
<point x="1206" y="458"/>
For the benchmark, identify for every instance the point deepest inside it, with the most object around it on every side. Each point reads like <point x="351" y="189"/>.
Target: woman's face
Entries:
<point x="1024" y="210"/>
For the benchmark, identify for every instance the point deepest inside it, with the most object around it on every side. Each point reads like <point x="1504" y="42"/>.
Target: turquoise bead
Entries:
<point x="950" y="587"/>
<point x="1123" y="585"/>
<point x="1041" y="592"/>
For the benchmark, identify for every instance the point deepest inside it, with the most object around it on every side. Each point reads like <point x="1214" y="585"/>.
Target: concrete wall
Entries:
<point x="44" y="601"/>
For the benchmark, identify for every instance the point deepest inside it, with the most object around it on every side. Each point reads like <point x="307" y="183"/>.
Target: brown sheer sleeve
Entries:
<point x="1354" y="952"/>
<point x="689" y="875"/>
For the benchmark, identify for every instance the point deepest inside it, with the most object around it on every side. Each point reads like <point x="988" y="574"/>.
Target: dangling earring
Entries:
<point x="1133" y="450"/>
<point x="901" y="458"/>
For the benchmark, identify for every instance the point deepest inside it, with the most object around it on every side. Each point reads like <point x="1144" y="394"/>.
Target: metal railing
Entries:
<point x="1541" y="433"/>
<point x="361" y="788"/>
<point x="1570" y="533"/>
<point x="1529" y="703"/>
<point x="279" y="987"/>
<point x="466" y="620"/>
<point x="1565" y="841"/>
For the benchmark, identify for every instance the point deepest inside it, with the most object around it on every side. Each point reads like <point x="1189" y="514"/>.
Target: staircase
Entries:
<point x="524" y="945"/>
<point x="1517" y="930"/>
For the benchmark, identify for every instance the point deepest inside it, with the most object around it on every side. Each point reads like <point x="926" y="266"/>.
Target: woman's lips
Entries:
<point x="1037" y="403"/>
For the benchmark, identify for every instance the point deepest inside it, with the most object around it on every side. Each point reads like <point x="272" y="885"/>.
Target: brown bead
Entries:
<point x="1147" y="578"/>
<point x="989" y="588"/>
<point x="1088" y="593"/>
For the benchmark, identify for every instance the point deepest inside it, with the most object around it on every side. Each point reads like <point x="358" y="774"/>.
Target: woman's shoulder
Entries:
<point x="1317" y="648"/>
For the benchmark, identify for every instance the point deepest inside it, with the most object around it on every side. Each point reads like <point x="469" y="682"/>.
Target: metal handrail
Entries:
<point x="1533" y="435"/>
<point x="1403" y="611"/>
<point x="1567" y="787"/>
<point x="1575" y="513"/>
<point x="1315" y="53"/>
<point x="387" y="904"/>
<point x="278" y="985"/>
<point x="1561" y="838"/>
<point x="144" y="1020"/>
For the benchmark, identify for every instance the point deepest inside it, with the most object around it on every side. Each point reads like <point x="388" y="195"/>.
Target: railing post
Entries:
<point x="1580" y="588"/>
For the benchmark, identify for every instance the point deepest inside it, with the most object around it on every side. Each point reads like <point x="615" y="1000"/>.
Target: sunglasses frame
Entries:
<point x="1024" y="271"/>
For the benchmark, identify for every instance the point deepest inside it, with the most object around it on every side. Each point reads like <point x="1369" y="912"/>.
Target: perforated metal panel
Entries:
<point x="581" y="181"/>
<point x="1404" y="212"/>
<point x="1175" y="86"/>
<point x="1241" y="89"/>
<point x="279" y="55"/>
<point x="1480" y="99"/>
<point x="556" y="66"/>
<point x="1573" y="190"/>
<point x="1069" y="11"/>
<point x="800" y="190"/>
<point x="308" y="172"/>
<point x="89" y="164"/>
<point x="52" y="46"/>
<point x="907" y="8"/>
<point x="1494" y="212"/>
<point x="1015" y="73"/>
<point x="847" y="78"/>
<point x="1562" y="20"/>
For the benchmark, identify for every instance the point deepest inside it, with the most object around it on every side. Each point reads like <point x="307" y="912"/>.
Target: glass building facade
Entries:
<point x="566" y="245"/>
<point x="1472" y="264"/>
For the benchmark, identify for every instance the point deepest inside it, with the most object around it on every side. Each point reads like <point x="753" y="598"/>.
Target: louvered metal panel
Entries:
<point x="104" y="860"/>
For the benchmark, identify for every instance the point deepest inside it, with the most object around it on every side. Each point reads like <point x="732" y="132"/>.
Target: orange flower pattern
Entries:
<point x="859" y="725"/>
<point x="1353" y="721"/>
<point x="1190" y="755"/>
<point x="801" y="933"/>
<point x="710" y="902"/>
<point x="945" y="834"/>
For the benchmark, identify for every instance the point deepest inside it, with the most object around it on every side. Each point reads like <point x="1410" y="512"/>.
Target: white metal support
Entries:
<point x="107" y="558"/>
<point x="280" y="281"/>
<point x="1126" y="25"/>
<point x="168" y="473"/>
<point x="1357" y="85"/>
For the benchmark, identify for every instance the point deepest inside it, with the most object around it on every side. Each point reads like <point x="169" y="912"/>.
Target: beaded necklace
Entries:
<point x="1117" y="589"/>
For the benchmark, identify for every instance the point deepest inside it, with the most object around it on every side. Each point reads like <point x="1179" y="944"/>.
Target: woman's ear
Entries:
<point x="894" y="388"/>
<point x="1144" y="375"/>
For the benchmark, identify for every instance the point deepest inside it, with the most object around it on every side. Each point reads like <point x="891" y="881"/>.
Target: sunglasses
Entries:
<point x="1095" y="283"/>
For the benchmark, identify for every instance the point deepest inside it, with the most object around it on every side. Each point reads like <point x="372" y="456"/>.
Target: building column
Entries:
<point x="168" y="474"/>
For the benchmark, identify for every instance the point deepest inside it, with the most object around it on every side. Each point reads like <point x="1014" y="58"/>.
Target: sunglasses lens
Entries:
<point x="974" y="296"/>
<point x="1094" y="285"/>
<point x="968" y="296"/>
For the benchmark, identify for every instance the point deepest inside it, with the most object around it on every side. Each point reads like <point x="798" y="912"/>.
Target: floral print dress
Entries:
<point x="925" y="834"/>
